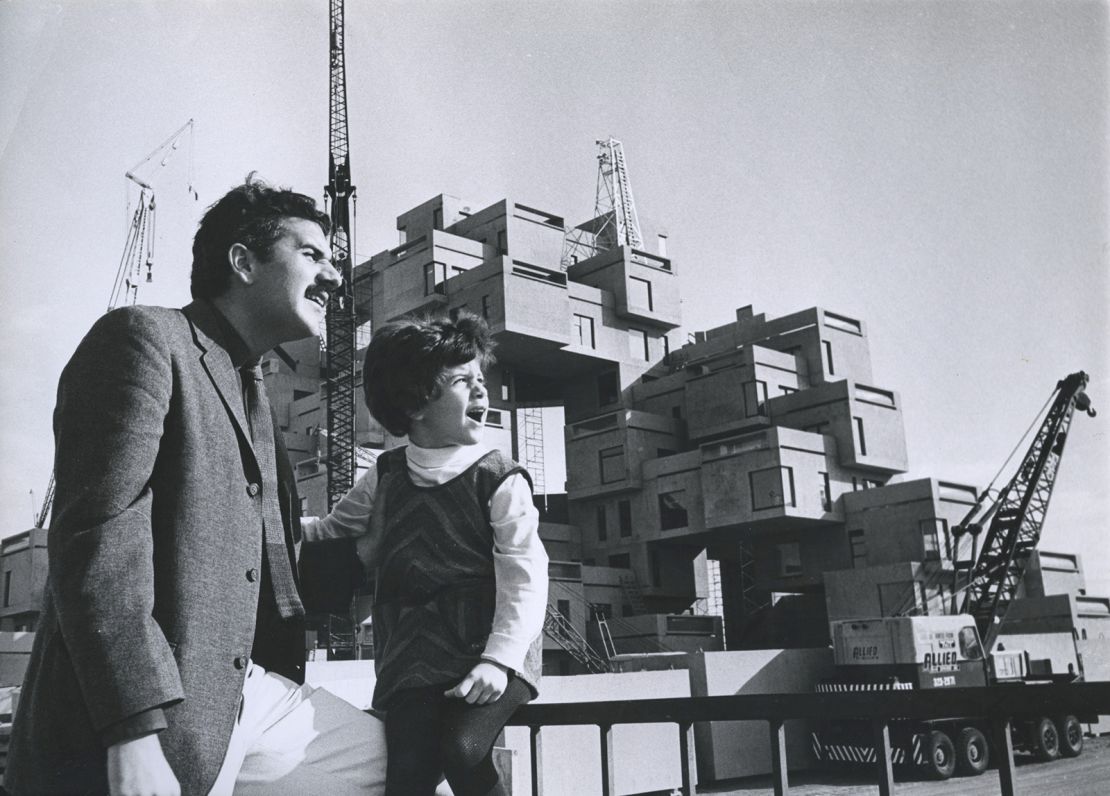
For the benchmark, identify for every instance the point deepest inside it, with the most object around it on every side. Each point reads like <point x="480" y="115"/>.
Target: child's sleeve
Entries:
<point x="351" y="515"/>
<point x="520" y="568"/>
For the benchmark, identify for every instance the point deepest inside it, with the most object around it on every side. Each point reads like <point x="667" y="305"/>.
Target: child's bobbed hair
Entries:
<point x="405" y="358"/>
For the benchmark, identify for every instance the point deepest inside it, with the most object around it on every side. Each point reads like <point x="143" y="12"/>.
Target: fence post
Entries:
<point x="535" y="748"/>
<point x="778" y="756"/>
<point x="608" y="761"/>
<point x="1005" y="745"/>
<point x="686" y="749"/>
<point x="883" y="768"/>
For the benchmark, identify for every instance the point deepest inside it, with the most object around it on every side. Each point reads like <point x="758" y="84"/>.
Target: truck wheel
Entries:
<point x="972" y="755"/>
<point x="1071" y="736"/>
<point x="1045" y="739"/>
<point x="940" y="761"/>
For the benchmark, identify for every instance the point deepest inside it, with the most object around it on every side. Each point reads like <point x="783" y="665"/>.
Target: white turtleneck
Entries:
<point x="519" y="559"/>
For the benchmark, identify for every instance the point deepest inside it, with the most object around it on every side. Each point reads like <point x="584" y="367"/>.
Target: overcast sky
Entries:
<point x="935" y="169"/>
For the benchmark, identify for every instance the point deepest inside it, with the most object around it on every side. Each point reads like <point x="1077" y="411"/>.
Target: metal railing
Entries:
<point x="1000" y="704"/>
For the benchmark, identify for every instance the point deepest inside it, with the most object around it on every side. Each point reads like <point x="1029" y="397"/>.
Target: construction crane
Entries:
<point x="944" y="651"/>
<point x="615" y="222"/>
<point x="138" y="250"/>
<point x="136" y="265"/>
<point x="340" y="325"/>
<point x="1017" y="516"/>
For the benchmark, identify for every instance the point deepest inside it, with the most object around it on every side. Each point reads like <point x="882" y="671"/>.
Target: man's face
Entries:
<point x="292" y="285"/>
<point x="457" y="414"/>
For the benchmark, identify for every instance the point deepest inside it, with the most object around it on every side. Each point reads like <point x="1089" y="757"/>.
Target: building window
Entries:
<point x="437" y="218"/>
<point x="620" y="561"/>
<point x="672" y="510"/>
<point x="7" y="588"/>
<point x="755" y="398"/>
<point x="485" y="307"/>
<point x="608" y="389"/>
<point x="666" y="346"/>
<point x="826" y="492"/>
<point x="563" y="607"/>
<point x="829" y="356"/>
<point x="435" y="279"/>
<point x="860" y="436"/>
<point x="494" y="418"/>
<point x="932" y="531"/>
<point x="790" y="559"/>
<point x="676" y="412"/>
<point x="772" y="488"/>
<point x="304" y="505"/>
<point x="624" y="517"/>
<point x="787" y="390"/>
<point x="582" y="331"/>
<point x="612" y="464"/>
<point x="638" y="345"/>
<point x="599" y="611"/>
<point x="506" y="384"/>
<point x="602" y="524"/>
<point x="639" y="293"/>
<point x="502" y="242"/>
<point x="857" y="547"/>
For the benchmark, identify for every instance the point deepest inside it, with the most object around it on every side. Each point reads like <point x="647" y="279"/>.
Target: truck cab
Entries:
<point x="913" y="651"/>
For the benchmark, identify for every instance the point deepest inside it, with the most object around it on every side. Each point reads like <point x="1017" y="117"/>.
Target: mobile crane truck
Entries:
<point x="960" y="649"/>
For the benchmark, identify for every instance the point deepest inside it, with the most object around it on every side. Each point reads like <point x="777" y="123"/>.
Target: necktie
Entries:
<point x="276" y="553"/>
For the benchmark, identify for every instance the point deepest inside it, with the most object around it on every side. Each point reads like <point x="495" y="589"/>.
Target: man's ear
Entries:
<point x="242" y="262"/>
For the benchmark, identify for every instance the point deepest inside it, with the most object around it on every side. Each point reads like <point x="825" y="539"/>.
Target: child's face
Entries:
<point x="457" y="414"/>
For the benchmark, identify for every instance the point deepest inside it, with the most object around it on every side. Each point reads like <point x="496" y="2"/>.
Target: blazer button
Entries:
<point x="252" y="489"/>
<point x="252" y="574"/>
<point x="240" y="662"/>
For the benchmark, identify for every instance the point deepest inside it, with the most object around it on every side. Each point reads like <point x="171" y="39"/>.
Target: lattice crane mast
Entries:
<point x="340" y="325"/>
<point x="1017" y="516"/>
<point x="615" y="222"/>
<point x="138" y="248"/>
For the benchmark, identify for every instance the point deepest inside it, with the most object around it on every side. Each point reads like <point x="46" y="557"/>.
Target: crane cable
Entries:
<point x="907" y="603"/>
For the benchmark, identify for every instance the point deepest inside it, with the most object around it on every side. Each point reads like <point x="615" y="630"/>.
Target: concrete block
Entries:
<point x="647" y="757"/>
<point x="728" y="749"/>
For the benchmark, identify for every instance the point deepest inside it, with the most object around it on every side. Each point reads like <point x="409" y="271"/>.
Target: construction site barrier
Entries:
<point x="1000" y="704"/>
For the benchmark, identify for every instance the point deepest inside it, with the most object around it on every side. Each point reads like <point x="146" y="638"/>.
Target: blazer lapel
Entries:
<point x="216" y="362"/>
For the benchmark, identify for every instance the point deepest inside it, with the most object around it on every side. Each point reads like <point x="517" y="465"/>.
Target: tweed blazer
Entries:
<point x="155" y="555"/>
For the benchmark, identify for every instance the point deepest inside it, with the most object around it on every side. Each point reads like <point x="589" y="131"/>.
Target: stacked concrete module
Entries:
<point x="764" y="446"/>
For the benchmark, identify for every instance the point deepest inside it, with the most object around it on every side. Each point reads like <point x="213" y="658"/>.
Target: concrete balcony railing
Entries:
<point x="1001" y="705"/>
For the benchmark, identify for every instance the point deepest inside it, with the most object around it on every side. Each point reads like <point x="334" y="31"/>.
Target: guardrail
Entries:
<point x="1001" y="704"/>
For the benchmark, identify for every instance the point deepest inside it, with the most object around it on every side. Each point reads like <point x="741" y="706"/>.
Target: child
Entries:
<point x="449" y="531"/>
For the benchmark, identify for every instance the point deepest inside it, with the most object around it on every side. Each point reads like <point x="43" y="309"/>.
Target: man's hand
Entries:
<point x="485" y="683"/>
<point x="138" y="767"/>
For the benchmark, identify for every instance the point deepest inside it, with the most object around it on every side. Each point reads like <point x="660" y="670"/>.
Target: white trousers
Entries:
<point x="297" y="740"/>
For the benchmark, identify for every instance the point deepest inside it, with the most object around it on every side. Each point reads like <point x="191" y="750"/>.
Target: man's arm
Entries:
<point x="113" y="398"/>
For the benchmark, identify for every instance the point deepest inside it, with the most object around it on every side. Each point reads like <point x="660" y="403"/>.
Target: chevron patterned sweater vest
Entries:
<point x="435" y="587"/>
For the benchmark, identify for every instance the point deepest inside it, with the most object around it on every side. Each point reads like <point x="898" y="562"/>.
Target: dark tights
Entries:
<point x="429" y="735"/>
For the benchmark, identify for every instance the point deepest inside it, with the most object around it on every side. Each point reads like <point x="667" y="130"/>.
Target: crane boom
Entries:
<point x="340" y="330"/>
<point x="1017" y="517"/>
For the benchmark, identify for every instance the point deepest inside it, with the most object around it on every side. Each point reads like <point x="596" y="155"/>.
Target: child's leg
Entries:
<point x="468" y="735"/>
<point x="412" y="732"/>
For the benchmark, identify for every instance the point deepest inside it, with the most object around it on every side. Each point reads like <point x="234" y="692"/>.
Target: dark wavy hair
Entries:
<point x="251" y="214"/>
<point x="405" y="358"/>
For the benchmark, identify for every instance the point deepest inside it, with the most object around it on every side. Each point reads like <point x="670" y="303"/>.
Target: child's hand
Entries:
<point x="484" y="684"/>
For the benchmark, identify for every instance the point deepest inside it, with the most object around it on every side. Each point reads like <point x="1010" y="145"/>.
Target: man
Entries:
<point x="171" y="645"/>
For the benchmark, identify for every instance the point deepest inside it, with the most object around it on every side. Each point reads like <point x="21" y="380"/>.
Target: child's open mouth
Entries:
<point x="477" y="415"/>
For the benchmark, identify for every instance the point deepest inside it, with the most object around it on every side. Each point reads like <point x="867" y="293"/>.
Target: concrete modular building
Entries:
<point x="758" y="465"/>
